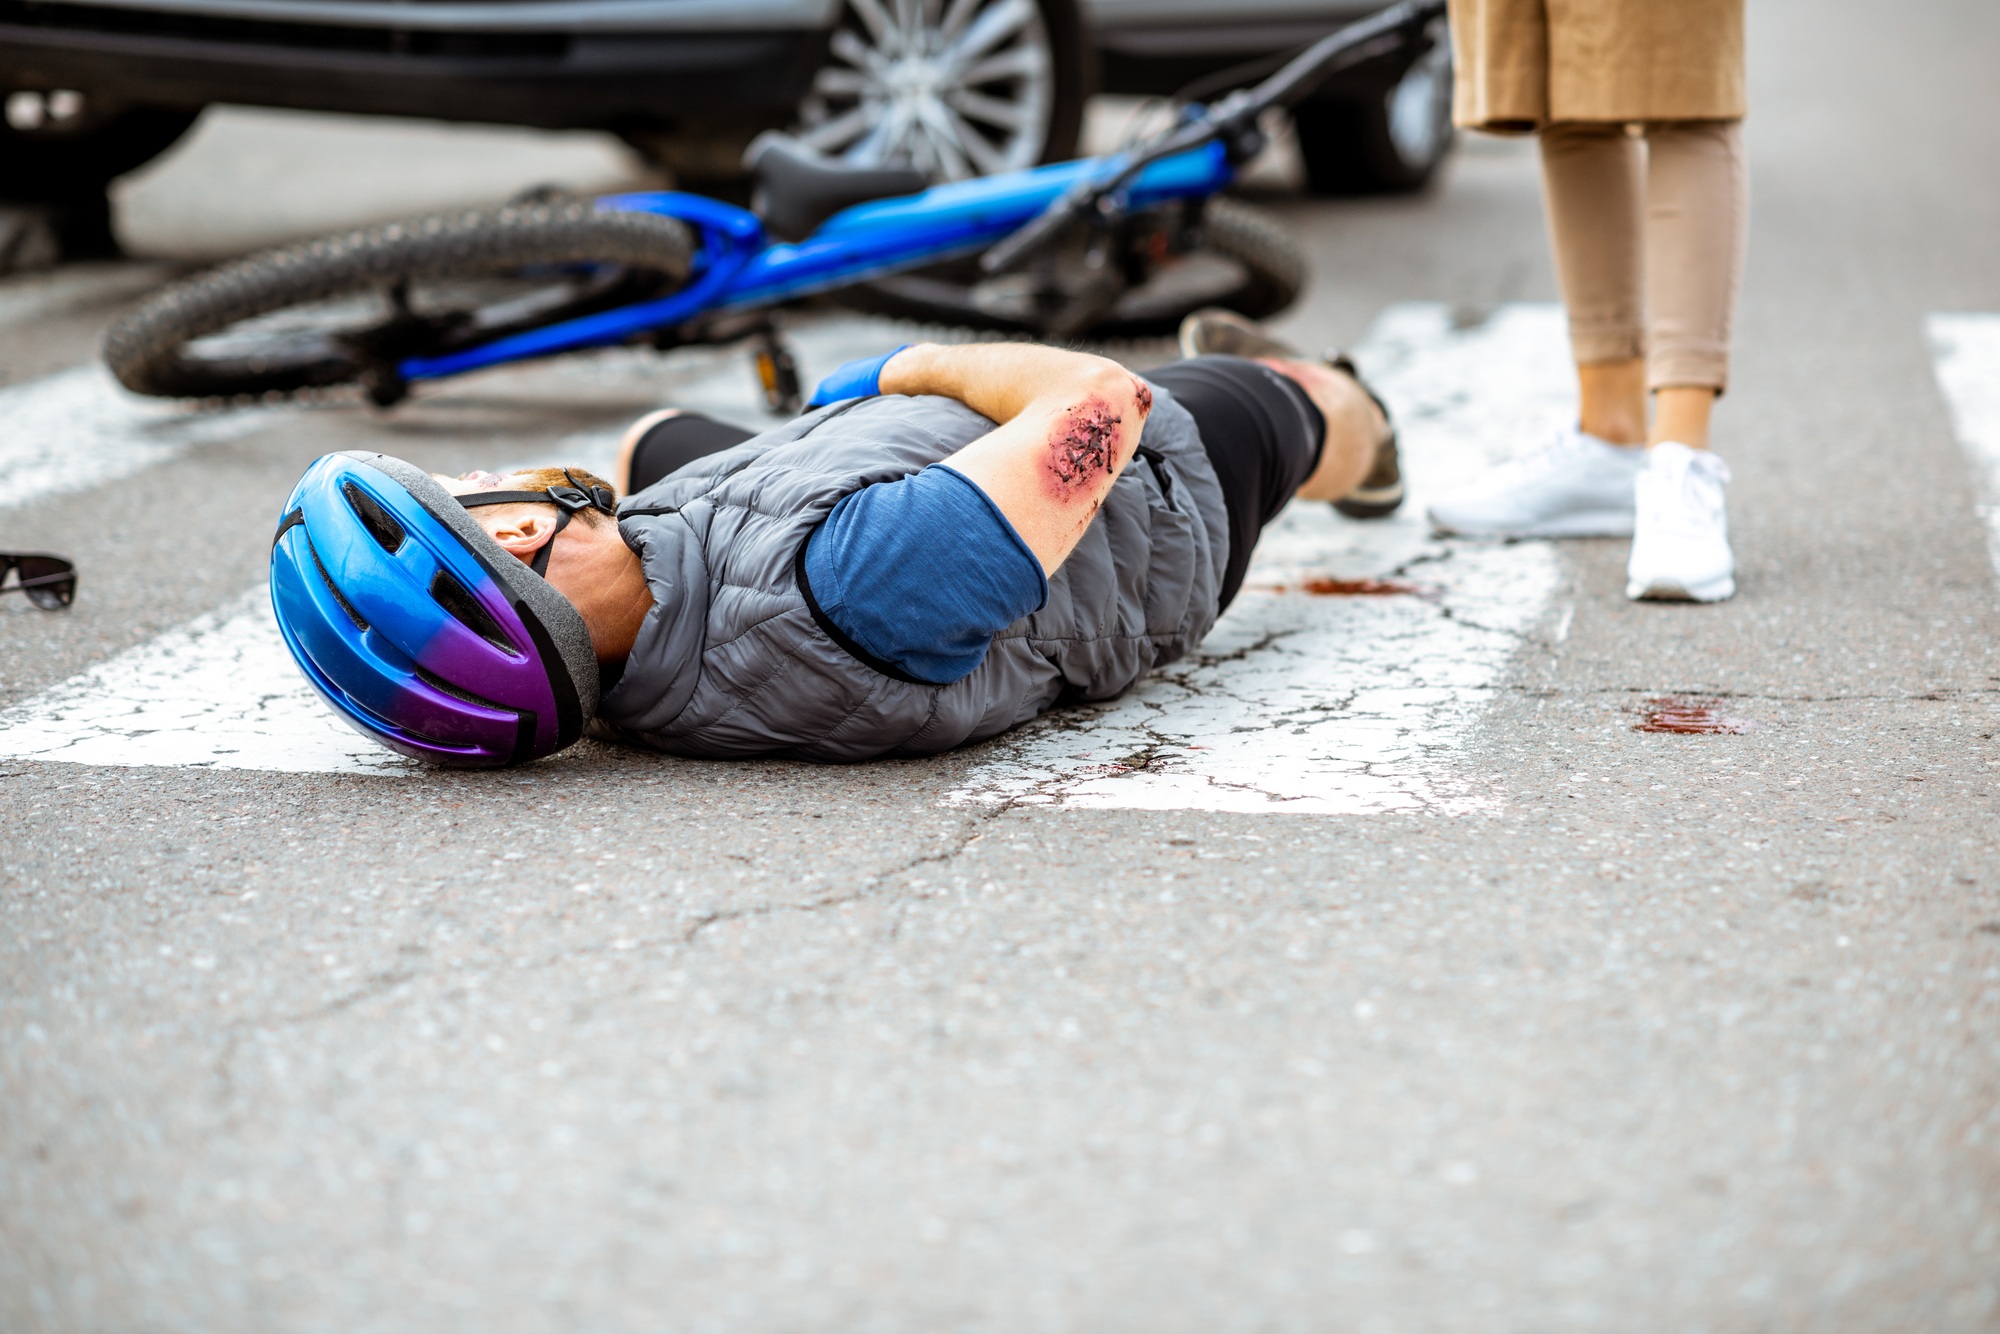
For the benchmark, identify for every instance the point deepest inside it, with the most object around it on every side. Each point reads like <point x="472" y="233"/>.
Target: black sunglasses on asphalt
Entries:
<point x="49" y="581"/>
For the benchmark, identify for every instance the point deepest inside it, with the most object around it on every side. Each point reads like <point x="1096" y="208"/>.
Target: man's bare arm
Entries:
<point x="1068" y="423"/>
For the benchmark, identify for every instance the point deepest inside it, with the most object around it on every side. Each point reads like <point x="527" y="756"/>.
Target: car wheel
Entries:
<point x="1387" y="140"/>
<point x="58" y="150"/>
<point x="953" y="88"/>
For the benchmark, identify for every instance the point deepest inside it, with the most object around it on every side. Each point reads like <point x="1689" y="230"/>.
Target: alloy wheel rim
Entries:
<point x="1420" y="104"/>
<point x="954" y="88"/>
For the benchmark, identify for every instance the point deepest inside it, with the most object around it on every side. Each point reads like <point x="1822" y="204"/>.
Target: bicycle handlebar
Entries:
<point x="1233" y="118"/>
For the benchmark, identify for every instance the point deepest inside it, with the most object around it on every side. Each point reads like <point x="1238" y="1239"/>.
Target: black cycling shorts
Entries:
<point x="1263" y="437"/>
<point x="1262" y="433"/>
<point x="678" y="441"/>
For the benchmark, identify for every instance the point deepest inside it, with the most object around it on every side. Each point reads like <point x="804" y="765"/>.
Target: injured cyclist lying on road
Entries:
<point x="953" y="540"/>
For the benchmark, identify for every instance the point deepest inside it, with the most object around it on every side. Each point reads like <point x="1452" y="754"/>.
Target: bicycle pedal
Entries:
<point x="777" y="375"/>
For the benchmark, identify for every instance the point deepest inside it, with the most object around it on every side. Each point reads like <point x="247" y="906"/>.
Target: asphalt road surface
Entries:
<point x="1368" y="972"/>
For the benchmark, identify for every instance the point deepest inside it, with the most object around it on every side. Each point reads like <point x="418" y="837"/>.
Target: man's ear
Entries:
<point x="525" y="534"/>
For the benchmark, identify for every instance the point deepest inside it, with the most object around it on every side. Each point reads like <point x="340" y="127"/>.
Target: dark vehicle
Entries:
<point x="1380" y="127"/>
<point x="954" y="88"/>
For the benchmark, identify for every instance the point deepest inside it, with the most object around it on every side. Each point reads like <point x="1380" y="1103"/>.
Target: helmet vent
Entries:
<point x="334" y="589"/>
<point x="381" y="524"/>
<point x="457" y="599"/>
<point x="438" y="683"/>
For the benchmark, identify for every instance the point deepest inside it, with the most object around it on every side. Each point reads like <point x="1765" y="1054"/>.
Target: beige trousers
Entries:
<point x="1649" y="234"/>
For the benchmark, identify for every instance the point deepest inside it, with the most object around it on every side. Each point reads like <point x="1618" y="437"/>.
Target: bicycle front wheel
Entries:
<point x="350" y="308"/>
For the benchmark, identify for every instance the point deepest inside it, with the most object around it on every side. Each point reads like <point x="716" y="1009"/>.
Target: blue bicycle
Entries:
<point x="1119" y="245"/>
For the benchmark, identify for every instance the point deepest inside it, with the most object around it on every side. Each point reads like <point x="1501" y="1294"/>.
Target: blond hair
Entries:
<point x="541" y="479"/>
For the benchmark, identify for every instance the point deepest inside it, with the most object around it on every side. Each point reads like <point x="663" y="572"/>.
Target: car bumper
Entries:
<point x="524" y="76"/>
<point x="1156" y="55"/>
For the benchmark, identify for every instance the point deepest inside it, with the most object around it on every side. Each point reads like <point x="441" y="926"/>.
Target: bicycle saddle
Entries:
<point x="797" y="189"/>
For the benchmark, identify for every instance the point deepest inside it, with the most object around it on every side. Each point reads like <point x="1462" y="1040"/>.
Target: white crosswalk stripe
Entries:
<point x="220" y="692"/>
<point x="77" y="429"/>
<point x="1966" y="352"/>
<point x="1297" y="702"/>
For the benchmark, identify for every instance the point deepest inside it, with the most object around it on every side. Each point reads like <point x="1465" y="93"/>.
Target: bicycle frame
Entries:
<point x="739" y="268"/>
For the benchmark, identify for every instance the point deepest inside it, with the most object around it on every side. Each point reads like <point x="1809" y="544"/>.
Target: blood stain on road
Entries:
<point x="1689" y="717"/>
<point x="1364" y="588"/>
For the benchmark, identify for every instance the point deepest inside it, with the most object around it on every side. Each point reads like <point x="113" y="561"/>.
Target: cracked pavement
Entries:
<point x="1603" y="1029"/>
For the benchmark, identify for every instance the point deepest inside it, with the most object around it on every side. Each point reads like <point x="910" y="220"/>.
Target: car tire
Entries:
<point x="897" y="90"/>
<point x="66" y="170"/>
<point x="1387" y="140"/>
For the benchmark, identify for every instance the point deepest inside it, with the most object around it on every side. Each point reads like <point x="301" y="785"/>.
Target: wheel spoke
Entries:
<point x="990" y="110"/>
<point x="945" y="145"/>
<point x="835" y="82"/>
<point x="956" y="18"/>
<point x="879" y="24"/>
<point x="884" y="137"/>
<point x="830" y="136"/>
<point x="1028" y="62"/>
<point x="993" y="27"/>
<point x="909" y="141"/>
<point x="987" y="158"/>
<point x="854" y="51"/>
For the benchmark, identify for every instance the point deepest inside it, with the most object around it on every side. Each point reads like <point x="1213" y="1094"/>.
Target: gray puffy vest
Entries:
<point x="733" y="661"/>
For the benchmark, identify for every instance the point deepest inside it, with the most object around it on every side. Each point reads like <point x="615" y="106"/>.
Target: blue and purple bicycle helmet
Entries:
<point x="419" y="629"/>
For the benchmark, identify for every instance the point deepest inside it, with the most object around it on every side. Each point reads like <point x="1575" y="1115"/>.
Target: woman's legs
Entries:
<point x="1649" y="252"/>
<point x="1697" y="217"/>
<point x="1593" y="187"/>
<point x="1648" y="246"/>
<point x="1695" y="222"/>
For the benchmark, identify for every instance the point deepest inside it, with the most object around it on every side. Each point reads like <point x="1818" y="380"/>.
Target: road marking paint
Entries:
<point x="77" y="429"/>
<point x="1340" y="705"/>
<point x="221" y="692"/>
<point x="1966" y="352"/>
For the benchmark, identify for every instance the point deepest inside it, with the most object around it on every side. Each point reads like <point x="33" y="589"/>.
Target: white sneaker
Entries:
<point x="1574" y="486"/>
<point x="1680" y="549"/>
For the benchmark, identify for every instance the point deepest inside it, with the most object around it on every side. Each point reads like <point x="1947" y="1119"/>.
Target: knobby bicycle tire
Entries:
<point x="146" y="350"/>
<point x="1276" y="266"/>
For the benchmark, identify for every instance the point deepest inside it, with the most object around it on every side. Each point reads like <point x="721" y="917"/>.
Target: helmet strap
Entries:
<point x="568" y="500"/>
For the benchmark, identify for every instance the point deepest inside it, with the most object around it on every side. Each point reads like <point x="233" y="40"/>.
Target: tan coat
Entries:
<point x="1524" y="63"/>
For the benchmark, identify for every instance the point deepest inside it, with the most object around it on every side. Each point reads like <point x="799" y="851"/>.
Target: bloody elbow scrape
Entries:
<point x="1085" y="444"/>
